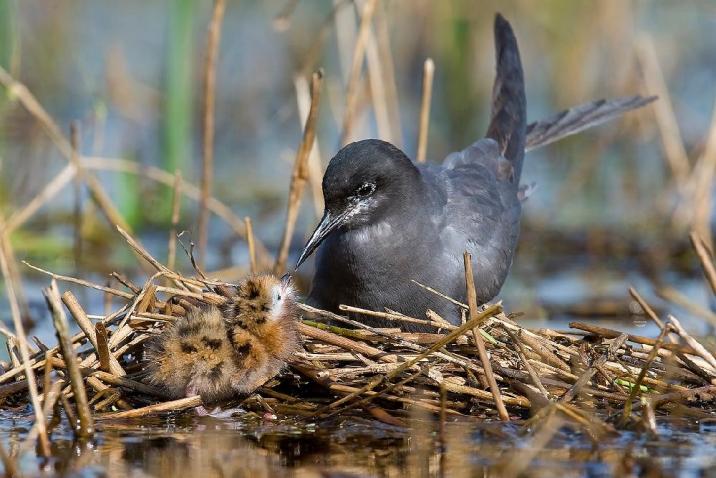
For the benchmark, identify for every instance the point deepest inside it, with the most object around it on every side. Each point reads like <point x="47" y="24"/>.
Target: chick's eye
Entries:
<point x="366" y="189"/>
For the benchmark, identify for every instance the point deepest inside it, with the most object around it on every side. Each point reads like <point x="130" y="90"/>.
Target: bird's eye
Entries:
<point x="366" y="189"/>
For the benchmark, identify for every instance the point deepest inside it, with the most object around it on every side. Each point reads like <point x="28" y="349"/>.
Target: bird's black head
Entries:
<point x="364" y="182"/>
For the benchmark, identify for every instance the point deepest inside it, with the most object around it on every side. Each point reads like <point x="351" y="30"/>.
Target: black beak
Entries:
<point x="328" y="224"/>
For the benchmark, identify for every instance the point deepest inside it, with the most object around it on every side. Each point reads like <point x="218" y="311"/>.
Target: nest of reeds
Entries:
<point x="488" y="367"/>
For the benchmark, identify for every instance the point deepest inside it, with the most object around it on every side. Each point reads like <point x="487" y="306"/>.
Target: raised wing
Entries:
<point x="579" y="118"/>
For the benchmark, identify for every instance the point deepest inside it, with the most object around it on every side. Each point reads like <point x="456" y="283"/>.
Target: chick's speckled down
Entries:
<point x="220" y="353"/>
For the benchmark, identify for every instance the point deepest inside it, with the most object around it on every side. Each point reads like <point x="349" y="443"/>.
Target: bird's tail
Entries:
<point x="509" y="109"/>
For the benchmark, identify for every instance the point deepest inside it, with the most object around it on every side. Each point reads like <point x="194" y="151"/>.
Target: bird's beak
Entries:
<point x="286" y="280"/>
<point x="328" y="224"/>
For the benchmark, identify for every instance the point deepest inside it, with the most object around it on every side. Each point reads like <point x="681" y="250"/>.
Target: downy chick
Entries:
<point x="220" y="353"/>
<point x="262" y="323"/>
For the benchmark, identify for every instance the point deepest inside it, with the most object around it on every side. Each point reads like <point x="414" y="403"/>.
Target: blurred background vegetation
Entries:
<point x="609" y="208"/>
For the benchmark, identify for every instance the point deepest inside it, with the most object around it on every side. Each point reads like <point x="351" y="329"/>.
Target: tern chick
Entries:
<point x="220" y="353"/>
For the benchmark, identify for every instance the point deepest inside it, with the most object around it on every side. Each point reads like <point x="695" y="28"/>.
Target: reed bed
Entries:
<point x="489" y="367"/>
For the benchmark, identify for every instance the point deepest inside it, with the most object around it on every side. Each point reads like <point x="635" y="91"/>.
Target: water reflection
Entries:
<point x="249" y="446"/>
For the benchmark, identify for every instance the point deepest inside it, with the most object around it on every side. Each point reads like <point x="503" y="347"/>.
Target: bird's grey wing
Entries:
<point x="482" y="211"/>
<point x="581" y="117"/>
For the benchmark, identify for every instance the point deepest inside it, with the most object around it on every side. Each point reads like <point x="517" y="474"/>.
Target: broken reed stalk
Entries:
<point x="428" y="72"/>
<point x="207" y="170"/>
<point x="354" y="77"/>
<point x="103" y="354"/>
<point x="252" y="246"/>
<point x="300" y="173"/>
<point x="479" y="342"/>
<point x="22" y="342"/>
<point x="176" y="211"/>
<point x="86" y="422"/>
<point x="706" y="259"/>
<point x="85" y="324"/>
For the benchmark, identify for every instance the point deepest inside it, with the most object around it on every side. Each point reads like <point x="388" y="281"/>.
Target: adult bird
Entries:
<point x="388" y="220"/>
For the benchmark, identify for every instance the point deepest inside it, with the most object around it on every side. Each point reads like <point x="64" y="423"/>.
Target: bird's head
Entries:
<point x="261" y="299"/>
<point x="364" y="182"/>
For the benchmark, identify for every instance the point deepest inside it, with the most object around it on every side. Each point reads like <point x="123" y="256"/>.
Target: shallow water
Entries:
<point x="247" y="445"/>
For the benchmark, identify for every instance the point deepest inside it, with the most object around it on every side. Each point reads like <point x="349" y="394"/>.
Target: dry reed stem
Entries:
<point x="391" y="89"/>
<point x="347" y="344"/>
<point x="22" y="342"/>
<point x="103" y="353"/>
<point x="85" y="324"/>
<point x="484" y="396"/>
<point x="479" y="342"/>
<point x="377" y="88"/>
<point x="612" y="334"/>
<point x="171" y="406"/>
<point x="59" y="277"/>
<point x="702" y="177"/>
<point x="252" y="246"/>
<point x="672" y="141"/>
<point x="530" y="370"/>
<point x="213" y="38"/>
<point x="127" y="383"/>
<point x="86" y="423"/>
<point x="677" y="298"/>
<point x="22" y="215"/>
<point x="13" y="274"/>
<point x="706" y="259"/>
<point x="646" y="308"/>
<point x="693" y="343"/>
<point x="176" y="211"/>
<point x="428" y="73"/>
<point x="354" y="77"/>
<point x="300" y="173"/>
<point x="393" y="316"/>
<point x="77" y="213"/>
<point x="48" y="374"/>
<point x="315" y="168"/>
<point x="141" y="250"/>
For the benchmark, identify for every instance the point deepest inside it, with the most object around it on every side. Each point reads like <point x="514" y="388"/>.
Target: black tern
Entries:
<point x="388" y="220"/>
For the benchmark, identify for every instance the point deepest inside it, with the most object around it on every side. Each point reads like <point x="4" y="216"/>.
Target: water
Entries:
<point x="352" y="446"/>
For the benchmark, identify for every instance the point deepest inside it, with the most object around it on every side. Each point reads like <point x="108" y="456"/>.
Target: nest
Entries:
<point x="488" y="367"/>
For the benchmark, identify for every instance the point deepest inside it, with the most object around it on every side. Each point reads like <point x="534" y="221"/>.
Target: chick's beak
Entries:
<point x="286" y="280"/>
<point x="329" y="223"/>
